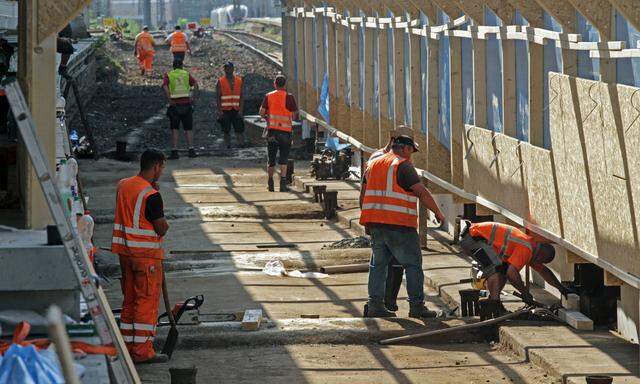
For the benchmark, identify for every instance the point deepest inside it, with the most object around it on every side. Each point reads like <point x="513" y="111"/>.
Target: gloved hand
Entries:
<point x="527" y="298"/>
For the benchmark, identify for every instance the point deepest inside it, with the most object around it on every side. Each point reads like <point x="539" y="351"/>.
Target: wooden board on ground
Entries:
<point x="576" y="319"/>
<point x="252" y="319"/>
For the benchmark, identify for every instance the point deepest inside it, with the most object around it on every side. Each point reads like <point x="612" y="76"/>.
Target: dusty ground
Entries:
<point x="225" y="227"/>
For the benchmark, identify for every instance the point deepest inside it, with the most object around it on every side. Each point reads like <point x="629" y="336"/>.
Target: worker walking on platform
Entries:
<point x="500" y="252"/>
<point x="391" y="188"/>
<point x="138" y="231"/>
<point x="181" y="88"/>
<point x="143" y="49"/>
<point x="280" y="110"/>
<point x="230" y="105"/>
<point x="179" y="42"/>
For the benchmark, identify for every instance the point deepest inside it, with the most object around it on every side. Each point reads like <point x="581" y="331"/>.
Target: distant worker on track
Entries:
<point x="179" y="42"/>
<point x="391" y="188"/>
<point x="230" y="105"/>
<point x="143" y="49"/>
<point x="280" y="110"/>
<point x="181" y="89"/>
<point x="138" y="232"/>
<point x="501" y="251"/>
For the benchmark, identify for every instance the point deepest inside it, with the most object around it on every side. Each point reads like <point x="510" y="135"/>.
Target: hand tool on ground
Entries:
<point x="122" y="367"/>
<point x="172" y="337"/>
<point x="73" y="85"/>
<point x="191" y="304"/>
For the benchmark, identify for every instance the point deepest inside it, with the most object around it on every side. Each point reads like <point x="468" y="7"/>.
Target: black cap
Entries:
<point x="406" y="140"/>
<point x="229" y="64"/>
<point x="145" y="28"/>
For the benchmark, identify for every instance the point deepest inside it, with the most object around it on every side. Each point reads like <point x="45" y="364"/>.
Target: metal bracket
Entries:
<point x="637" y="110"/>
<point x="597" y="104"/>
<point x="521" y="162"/>
<point x="466" y="156"/>
<point x="493" y="143"/>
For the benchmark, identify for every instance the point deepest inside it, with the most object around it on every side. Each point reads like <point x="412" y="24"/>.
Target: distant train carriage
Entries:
<point x="229" y="15"/>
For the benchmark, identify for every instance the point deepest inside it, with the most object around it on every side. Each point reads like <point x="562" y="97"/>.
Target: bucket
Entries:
<point x="599" y="379"/>
<point x="183" y="375"/>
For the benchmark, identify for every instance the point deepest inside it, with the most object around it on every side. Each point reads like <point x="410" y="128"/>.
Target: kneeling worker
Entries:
<point x="279" y="108"/>
<point x="502" y="251"/>
<point x="391" y="188"/>
<point x="138" y="231"/>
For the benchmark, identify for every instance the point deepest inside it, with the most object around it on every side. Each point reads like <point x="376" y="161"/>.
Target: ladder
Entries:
<point x="122" y="367"/>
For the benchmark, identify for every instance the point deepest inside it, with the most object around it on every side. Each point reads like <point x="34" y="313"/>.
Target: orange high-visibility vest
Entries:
<point x="279" y="118"/>
<point x="230" y="97"/>
<point x="133" y="234"/>
<point x="178" y="42"/>
<point x="505" y="239"/>
<point x="385" y="201"/>
<point x="144" y="42"/>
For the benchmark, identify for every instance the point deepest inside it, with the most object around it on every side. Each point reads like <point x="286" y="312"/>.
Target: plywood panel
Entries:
<point x="542" y="195"/>
<point x="53" y="15"/>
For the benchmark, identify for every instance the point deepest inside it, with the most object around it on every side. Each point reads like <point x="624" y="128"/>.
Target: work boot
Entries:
<point x="192" y="152"/>
<point x="420" y="311"/>
<point x="394" y="282"/>
<point x="376" y="310"/>
<point x="159" y="358"/>
<point x="270" y="185"/>
<point x="283" y="185"/>
<point x="174" y="155"/>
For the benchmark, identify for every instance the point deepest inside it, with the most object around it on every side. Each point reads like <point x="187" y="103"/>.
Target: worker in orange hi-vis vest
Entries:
<point x="391" y="189"/>
<point x="230" y="105"/>
<point x="179" y="42"/>
<point x="144" y="50"/>
<point x="138" y="231"/>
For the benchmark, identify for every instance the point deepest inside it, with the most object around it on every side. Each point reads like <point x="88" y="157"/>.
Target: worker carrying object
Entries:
<point x="230" y="105"/>
<point x="280" y="110"/>
<point x="138" y="232"/>
<point x="389" y="198"/>
<point x="501" y="251"/>
<point x="143" y="49"/>
<point x="181" y="89"/>
<point x="179" y="42"/>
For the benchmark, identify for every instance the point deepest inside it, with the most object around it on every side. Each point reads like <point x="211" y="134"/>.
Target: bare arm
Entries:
<point x="514" y="278"/>
<point x="426" y="198"/>
<point x="161" y="226"/>
<point x="219" y="97"/>
<point x="166" y="91"/>
<point x="363" y="190"/>
<point x="551" y="278"/>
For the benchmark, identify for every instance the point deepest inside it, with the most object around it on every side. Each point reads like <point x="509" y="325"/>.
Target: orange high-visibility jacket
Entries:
<point x="508" y="242"/>
<point x="133" y="234"/>
<point x="385" y="201"/>
<point x="178" y="42"/>
<point x="279" y="118"/>
<point x="230" y="97"/>
<point x="144" y="43"/>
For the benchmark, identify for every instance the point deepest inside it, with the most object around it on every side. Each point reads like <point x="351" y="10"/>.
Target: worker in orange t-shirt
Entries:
<point x="502" y="251"/>
<point x="144" y="50"/>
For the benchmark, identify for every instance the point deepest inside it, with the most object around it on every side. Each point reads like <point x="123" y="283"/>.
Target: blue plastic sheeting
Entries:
<point x="494" y="75"/>
<point x="628" y="69"/>
<point x="466" y="57"/>
<point x="444" y="86"/>
<point x="552" y="63"/>
<point x="323" y="106"/>
<point x="424" y="81"/>
<point x="25" y="365"/>
<point x="588" y="68"/>
<point x="391" y="100"/>
<point x="522" y="84"/>
<point x="347" y="63"/>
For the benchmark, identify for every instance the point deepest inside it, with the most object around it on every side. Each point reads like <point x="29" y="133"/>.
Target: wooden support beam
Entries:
<point x="356" y="114"/>
<point x="399" y="35"/>
<point x="611" y="280"/>
<point x="572" y="258"/>
<point x="473" y="8"/>
<point x="54" y="15"/>
<point x="288" y="48"/>
<point x="562" y="11"/>
<point x="630" y="10"/>
<point x="371" y="129"/>
<point x="502" y="8"/>
<point x="536" y="94"/>
<point x="333" y="73"/>
<point x="531" y="11"/>
<point x="457" y="123"/>
<point x="386" y="123"/>
<point x="420" y="158"/>
<point x="447" y="6"/>
<point x="301" y="95"/>
<point x="311" y="93"/>
<point x="343" y="122"/>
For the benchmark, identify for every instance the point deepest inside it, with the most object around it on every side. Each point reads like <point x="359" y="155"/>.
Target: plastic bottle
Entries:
<point x="85" y="230"/>
<point x="64" y="187"/>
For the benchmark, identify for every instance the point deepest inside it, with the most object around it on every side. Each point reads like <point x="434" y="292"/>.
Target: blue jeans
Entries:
<point x="405" y="247"/>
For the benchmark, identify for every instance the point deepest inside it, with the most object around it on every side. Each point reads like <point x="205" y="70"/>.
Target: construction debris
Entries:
<point x="354" y="242"/>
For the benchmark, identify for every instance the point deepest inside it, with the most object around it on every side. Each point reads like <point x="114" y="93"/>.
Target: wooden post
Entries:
<point x="371" y="120"/>
<point x="356" y="114"/>
<point x="399" y="71"/>
<point x="310" y="70"/>
<point x="386" y="124"/>
<point x="301" y="75"/>
<point x="334" y="78"/>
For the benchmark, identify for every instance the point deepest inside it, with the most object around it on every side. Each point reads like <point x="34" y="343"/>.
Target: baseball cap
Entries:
<point x="229" y="64"/>
<point x="407" y="140"/>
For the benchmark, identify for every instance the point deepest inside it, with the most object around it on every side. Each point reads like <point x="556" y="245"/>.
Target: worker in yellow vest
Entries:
<point x="230" y="105"/>
<point x="181" y="88"/>
<point x="391" y="188"/>
<point x="144" y="50"/>
<point x="179" y="42"/>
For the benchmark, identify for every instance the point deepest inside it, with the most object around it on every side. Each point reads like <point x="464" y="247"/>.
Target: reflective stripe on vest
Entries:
<point x="144" y="42"/>
<point x="500" y="237"/>
<point x="178" y="42"/>
<point x="385" y="201"/>
<point x="230" y="97"/>
<point x="279" y="118"/>
<point x="133" y="234"/>
<point x="179" y="87"/>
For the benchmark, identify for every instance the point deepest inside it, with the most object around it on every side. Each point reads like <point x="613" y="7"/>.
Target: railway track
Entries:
<point x="274" y="56"/>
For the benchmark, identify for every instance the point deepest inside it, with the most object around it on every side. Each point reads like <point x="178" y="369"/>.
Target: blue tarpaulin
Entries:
<point x="323" y="107"/>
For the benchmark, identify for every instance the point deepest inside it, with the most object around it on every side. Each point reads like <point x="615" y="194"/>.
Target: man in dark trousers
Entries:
<point x="279" y="108"/>
<point x="181" y="89"/>
<point x="230" y="105"/>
